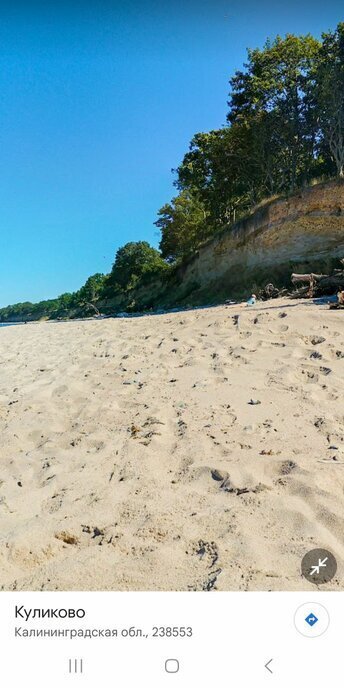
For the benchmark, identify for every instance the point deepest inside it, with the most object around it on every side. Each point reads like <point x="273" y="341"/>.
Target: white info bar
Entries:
<point x="179" y="640"/>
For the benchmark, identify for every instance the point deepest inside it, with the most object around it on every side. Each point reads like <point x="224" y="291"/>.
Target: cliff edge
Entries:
<point x="296" y="234"/>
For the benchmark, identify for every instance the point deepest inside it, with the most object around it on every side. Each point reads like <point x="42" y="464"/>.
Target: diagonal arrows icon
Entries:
<point x="321" y="565"/>
<point x="267" y="666"/>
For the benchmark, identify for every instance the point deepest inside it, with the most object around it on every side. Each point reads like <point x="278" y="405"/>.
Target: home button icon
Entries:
<point x="172" y="666"/>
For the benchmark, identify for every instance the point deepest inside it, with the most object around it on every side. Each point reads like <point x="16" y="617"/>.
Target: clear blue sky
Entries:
<point x="99" y="101"/>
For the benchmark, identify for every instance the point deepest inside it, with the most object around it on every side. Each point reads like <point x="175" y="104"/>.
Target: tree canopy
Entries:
<point x="136" y="261"/>
<point x="285" y="128"/>
<point x="183" y="224"/>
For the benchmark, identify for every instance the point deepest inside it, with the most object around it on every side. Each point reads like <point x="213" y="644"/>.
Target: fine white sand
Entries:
<point x="113" y="432"/>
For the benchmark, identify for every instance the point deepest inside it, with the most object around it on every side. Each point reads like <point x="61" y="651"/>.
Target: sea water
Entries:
<point x="11" y="323"/>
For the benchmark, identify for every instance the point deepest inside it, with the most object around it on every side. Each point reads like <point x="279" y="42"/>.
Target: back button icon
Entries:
<point x="268" y="666"/>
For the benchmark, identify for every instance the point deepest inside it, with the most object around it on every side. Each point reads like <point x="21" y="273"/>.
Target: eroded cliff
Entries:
<point x="300" y="233"/>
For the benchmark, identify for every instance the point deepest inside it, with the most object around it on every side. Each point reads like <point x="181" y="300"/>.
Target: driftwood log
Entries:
<point x="311" y="278"/>
<point x="270" y="292"/>
<point x="91" y="305"/>
<point x="313" y="283"/>
<point x="318" y="285"/>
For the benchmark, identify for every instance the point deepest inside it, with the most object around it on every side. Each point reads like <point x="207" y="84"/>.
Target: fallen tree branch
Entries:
<point x="91" y="305"/>
<point x="271" y="292"/>
<point x="306" y="278"/>
<point x="318" y="285"/>
<point x="311" y="278"/>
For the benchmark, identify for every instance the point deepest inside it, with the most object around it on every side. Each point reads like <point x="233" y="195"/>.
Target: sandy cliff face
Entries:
<point x="303" y="232"/>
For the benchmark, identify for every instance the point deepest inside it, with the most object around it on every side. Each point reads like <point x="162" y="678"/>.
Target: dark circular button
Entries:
<point x="319" y="566"/>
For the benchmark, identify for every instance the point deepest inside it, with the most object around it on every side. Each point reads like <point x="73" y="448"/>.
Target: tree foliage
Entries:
<point x="136" y="261"/>
<point x="329" y="95"/>
<point x="183" y="224"/>
<point x="285" y="127"/>
<point x="92" y="289"/>
<point x="271" y="98"/>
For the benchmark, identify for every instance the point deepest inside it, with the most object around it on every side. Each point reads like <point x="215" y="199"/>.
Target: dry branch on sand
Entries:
<point x="271" y="292"/>
<point x="318" y="285"/>
<point x="313" y="285"/>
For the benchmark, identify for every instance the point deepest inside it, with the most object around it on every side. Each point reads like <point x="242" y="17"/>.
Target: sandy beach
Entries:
<point x="200" y="450"/>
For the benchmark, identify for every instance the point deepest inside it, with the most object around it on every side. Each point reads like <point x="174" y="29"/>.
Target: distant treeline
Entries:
<point x="285" y="130"/>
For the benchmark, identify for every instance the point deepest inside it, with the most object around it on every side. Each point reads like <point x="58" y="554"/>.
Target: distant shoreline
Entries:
<point x="11" y="323"/>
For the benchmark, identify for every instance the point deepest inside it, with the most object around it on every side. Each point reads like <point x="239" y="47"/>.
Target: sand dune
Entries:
<point x="187" y="451"/>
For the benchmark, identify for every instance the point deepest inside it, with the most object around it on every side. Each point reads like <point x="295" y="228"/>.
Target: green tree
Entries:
<point x="219" y="169"/>
<point x="183" y="225"/>
<point x="136" y="261"/>
<point x="92" y="289"/>
<point x="329" y="95"/>
<point x="270" y="97"/>
<point x="65" y="301"/>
